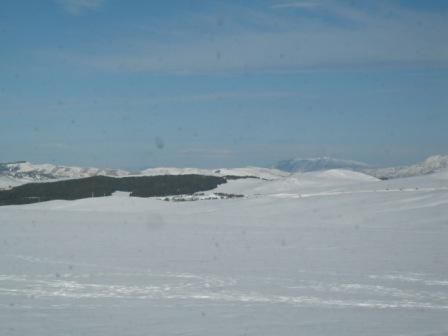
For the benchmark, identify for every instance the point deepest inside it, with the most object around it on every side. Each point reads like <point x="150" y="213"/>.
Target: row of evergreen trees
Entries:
<point x="98" y="186"/>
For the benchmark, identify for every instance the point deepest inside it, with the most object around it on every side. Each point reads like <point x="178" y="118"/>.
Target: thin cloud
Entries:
<point x="393" y="36"/>
<point x="76" y="7"/>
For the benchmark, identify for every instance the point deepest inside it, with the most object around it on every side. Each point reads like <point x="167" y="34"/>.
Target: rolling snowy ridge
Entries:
<point x="431" y="165"/>
<point x="36" y="172"/>
<point x="13" y="174"/>
<point x="318" y="164"/>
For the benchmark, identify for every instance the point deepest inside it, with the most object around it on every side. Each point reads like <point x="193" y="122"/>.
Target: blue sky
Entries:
<point x="134" y="84"/>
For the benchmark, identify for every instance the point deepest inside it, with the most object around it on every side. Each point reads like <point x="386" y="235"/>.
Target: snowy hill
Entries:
<point x="298" y="183"/>
<point x="37" y="172"/>
<point x="17" y="173"/>
<point x="7" y="182"/>
<point x="318" y="164"/>
<point x="258" y="172"/>
<point x="431" y="165"/>
<point x="174" y="171"/>
<point x="24" y="172"/>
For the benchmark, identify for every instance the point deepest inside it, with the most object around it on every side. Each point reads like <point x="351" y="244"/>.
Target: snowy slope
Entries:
<point x="263" y="173"/>
<point x="174" y="171"/>
<point x="298" y="183"/>
<point x="431" y="165"/>
<point x="367" y="261"/>
<point x="36" y="172"/>
<point x="7" y="182"/>
<point x="318" y="164"/>
<point x="12" y="174"/>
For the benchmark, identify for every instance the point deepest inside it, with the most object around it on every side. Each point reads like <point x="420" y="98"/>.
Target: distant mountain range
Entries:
<point x="37" y="172"/>
<point x="17" y="173"/>
<point x="431" y="165"/>
<point x="318" y="164"/>
<point x="23" y="169"/>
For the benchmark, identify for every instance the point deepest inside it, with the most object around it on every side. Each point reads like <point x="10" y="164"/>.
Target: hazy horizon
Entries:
<point x="270" y="166"/>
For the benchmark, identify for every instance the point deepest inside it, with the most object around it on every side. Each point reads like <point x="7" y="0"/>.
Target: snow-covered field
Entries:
<point x="7" y="182"/>
<point x="329" y="253"/>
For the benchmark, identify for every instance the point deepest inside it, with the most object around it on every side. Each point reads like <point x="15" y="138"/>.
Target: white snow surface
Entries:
<point x="258" y="172"/>
<point x="431" y="165"/>
<point x="7" y="182"/>
<point x="174" y="171"/>
<point x="331" y="253"/>
<point x="298" y="183"/>
<point x="29" y="171"/>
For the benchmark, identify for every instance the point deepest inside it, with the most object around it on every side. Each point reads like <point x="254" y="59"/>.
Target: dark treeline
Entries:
<point x="98" y="186"/>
